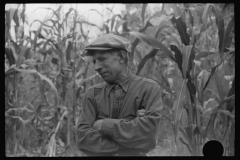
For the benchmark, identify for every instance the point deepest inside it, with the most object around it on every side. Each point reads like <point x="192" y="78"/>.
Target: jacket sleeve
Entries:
<point x="89" y="139"/>
<point x="141" y="132"/>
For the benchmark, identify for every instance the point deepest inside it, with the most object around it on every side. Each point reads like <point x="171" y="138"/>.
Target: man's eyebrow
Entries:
<point x="101" y="57"/>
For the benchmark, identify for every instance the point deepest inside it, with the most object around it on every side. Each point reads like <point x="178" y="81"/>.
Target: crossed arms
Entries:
<point x="109" y="135"/>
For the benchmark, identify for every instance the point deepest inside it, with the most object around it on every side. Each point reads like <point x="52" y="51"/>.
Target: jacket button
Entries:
<point x="117" y="101"/>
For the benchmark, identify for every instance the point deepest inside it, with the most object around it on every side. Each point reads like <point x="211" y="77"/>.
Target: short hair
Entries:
<point x="121" y="53"/>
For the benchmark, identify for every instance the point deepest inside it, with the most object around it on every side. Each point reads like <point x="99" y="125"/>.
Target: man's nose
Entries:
<point x="97" y="66"/>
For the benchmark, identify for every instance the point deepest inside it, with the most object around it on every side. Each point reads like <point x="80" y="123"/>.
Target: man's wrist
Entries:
<point x="107" y="126"/>
<point x="97" y="124"/>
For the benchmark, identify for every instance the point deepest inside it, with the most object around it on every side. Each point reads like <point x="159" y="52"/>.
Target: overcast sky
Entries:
<point x="33" y="13"/>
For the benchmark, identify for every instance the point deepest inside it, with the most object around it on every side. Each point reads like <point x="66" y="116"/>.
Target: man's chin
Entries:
<point x="107" y="80"/>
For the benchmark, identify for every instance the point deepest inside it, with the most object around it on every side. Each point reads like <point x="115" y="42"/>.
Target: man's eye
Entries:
<point x="102" y="59"/>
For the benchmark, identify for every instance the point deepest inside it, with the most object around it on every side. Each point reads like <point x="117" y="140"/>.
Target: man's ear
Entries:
<point x="121" y="55"/>
<point x="121" y="60"/>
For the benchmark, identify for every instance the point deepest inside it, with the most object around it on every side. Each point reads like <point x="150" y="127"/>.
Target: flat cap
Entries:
<point x="107" y="42"/>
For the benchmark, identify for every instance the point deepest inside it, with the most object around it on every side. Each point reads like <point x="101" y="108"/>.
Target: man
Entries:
<point x="119" y="117"/>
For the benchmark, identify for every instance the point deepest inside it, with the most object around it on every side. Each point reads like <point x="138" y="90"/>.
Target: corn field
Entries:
<point x="189" y="49"/>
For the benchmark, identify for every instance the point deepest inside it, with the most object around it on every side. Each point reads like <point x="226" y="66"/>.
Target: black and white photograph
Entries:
<point x="119" y="79"/>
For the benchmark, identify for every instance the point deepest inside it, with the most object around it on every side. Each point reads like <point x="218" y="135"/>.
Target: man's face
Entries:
<point x="107" y="65"/>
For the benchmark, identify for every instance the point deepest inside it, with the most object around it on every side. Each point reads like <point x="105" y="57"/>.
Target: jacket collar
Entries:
<point x="124" y="84"/>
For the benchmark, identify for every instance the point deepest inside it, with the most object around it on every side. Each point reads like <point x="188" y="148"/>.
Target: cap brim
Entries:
<point x="88" y="50"/>
<point x="98" y="48"/>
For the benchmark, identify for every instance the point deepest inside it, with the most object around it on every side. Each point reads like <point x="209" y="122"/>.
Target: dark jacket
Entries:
<point x="122" y="132"/>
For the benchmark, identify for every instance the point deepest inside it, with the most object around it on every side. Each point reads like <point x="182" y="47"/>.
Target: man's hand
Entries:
<point x="141" y="112"/>
<point x="98" y="124"/>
